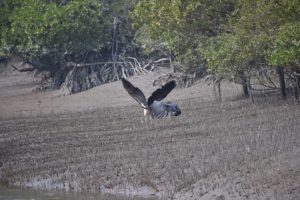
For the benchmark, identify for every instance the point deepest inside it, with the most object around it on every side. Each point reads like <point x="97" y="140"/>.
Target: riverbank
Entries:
<point x="98" y="141"/>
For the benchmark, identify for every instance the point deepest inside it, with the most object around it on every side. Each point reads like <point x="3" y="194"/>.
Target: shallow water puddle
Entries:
<point x="11" y="193"/>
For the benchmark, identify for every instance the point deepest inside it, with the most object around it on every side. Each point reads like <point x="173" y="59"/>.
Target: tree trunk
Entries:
<point x="114" y="48"/>
<point x="297" y="85"/>
<point x="280" y="73"/>
<point x="296" y="92"/>
<point x="245" y="87"/>
<point x="249" y="90"/>
<point x="245" y="91"/>
<point x="219" y="91"/>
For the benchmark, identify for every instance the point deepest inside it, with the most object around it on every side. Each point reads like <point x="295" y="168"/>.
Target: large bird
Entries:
<point x="153" y="106"/>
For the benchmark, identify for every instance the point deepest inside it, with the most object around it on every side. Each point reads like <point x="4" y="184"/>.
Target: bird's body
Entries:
<point x="154" y="107"/>
<point x="162" y="109"/>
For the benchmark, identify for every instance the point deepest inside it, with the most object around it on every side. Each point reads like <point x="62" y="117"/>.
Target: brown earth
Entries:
<point x="99" y="141"/>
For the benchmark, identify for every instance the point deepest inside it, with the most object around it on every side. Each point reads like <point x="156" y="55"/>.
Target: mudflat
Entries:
<point x="99" y="141"/>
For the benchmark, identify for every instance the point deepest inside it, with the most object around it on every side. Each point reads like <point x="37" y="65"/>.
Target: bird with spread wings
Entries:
<point x="153" y="106"/>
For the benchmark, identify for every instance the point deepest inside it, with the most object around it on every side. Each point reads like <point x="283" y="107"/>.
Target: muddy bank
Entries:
<point x="233" y="150"/>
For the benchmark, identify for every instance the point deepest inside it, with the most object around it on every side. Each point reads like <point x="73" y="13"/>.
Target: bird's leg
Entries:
<point x="146" y="121"/>
<point x="151" y="119"/>
<point x="147" y="113"/>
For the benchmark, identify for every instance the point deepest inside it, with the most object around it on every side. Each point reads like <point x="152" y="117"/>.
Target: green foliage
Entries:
<point x="182" y="25"/>
<point x="286" y="46"/>
<point x="272" y="27"/>
<point x="232" y="35"/>
<point x="35" y="28"/>
<point x="220" y="53"/>
<point x="262" y="32"/>
<point x="167" y="18"/>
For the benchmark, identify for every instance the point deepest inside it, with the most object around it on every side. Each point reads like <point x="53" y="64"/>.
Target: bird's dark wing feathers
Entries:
<point x="135" y="93"/>
<point x="162" y="92"/>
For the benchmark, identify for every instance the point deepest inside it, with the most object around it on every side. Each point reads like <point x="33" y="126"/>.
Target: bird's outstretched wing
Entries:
<point x="135" y="93"/>
<point x="162" y="92"/>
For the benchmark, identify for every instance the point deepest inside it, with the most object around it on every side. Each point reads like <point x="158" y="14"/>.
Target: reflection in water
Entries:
<point x="9" y="193"/>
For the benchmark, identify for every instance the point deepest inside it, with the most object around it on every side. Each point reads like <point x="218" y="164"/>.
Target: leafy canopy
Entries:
<point x="263" y="32"/>
<point x="35" y="28"/>
<point x="182" y="25"/>
<point x="286" y="46"/>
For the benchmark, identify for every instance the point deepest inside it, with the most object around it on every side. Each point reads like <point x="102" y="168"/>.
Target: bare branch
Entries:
<point x="23" y="69"/>
<point x="162" y="60"/>
<point x="72" y="64"/>
<point x="297" y="74"/>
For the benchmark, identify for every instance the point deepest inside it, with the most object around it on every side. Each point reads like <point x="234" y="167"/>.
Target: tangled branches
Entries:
<point x="81" y="77"/>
